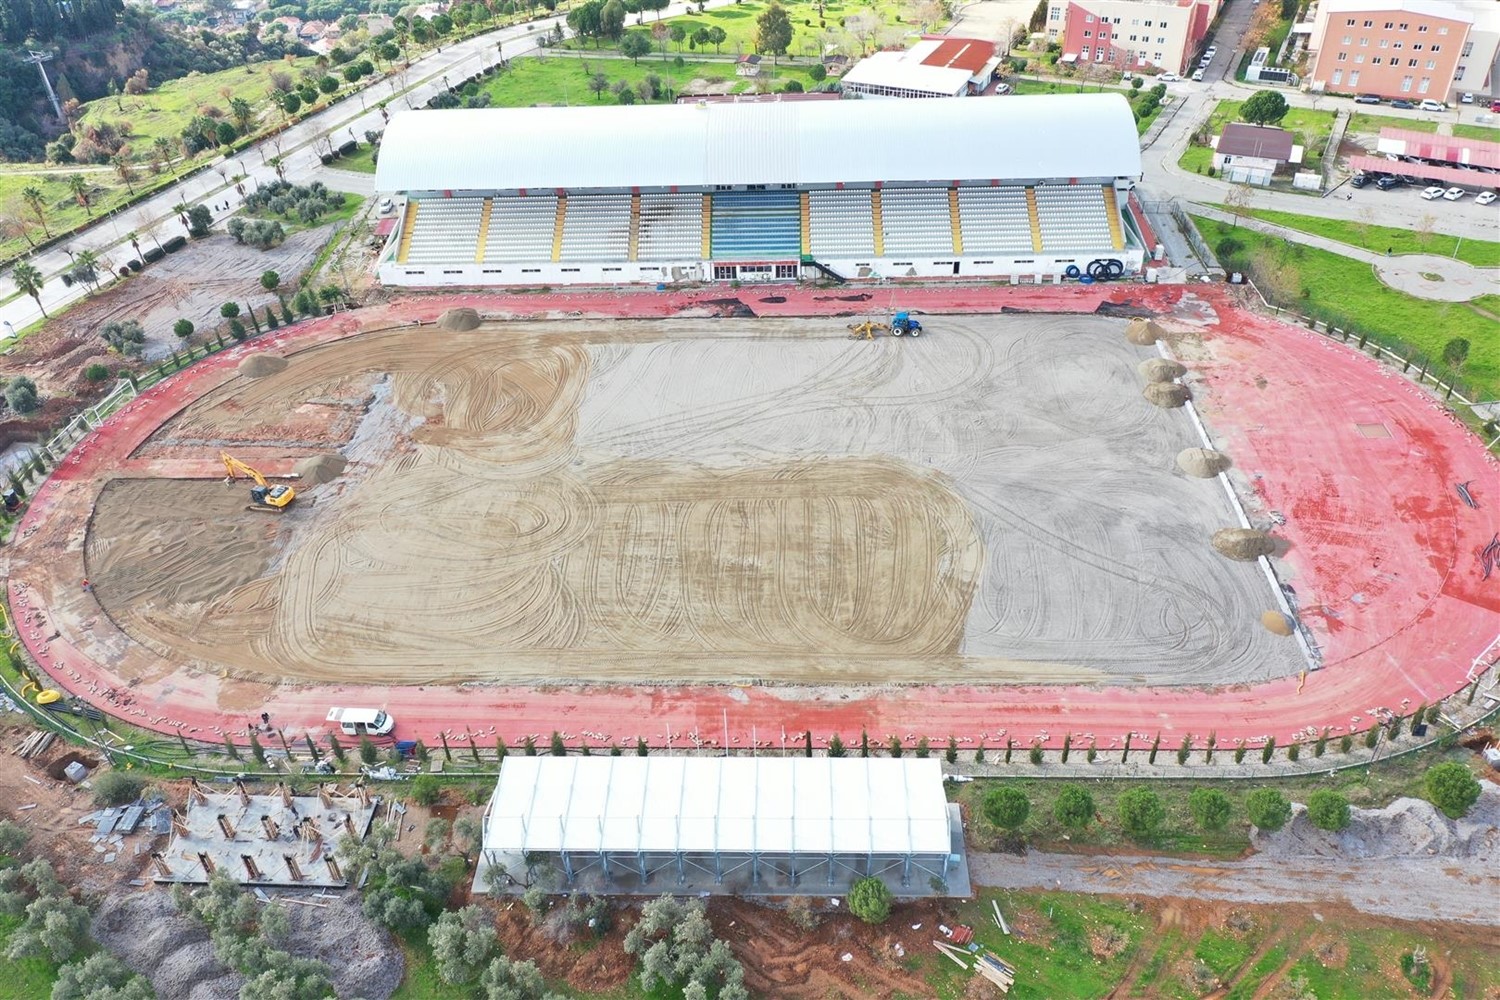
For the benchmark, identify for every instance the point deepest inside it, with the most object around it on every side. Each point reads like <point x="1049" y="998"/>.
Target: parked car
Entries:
<point x="1406" y="105"/>
<point x="1359" y="180"/>
<point x="1454" y="193"/>
<point x="1466" y="99"/>
<point x="1433" y="193"/>
<point x="1169" y="78"/>
<point x="387" y="206"/>
<point x="1428" y="104"/>
<point x="1387" y="182"/>
<point x="1485" y="197"/>
<point x="1367" y="99"/>
<point x="1495" y="106"/>
<point x="1198" y="75"/>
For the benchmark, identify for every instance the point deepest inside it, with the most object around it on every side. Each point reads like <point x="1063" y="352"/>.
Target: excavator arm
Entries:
<point x="266" y="497"/>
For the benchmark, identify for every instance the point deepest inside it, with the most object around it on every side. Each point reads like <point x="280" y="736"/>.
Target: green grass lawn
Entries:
<point x="1489" y="133"/>
<point x="1348" y="291"/>
<point x="106" y="192"/>
<point x="1480" y="253"/>
<point x="563" y="79"/>
<point x="1311" y="129"/>
<point x="738" y="23"/>
<point x="361" y="161"/>
<point x="23" y="978"/>
<point x="1372" y="124"/>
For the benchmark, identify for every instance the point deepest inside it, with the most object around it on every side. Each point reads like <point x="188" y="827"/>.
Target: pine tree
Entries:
<point x="952" y="754"/>
<point x="257" y="751"/>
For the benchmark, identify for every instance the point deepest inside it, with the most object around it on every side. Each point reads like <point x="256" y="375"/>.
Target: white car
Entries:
<point x="387" y="206"/>
<point x="1169" y="78"/>
<point x="1428" y="104"/>
<point x="1433" y="193"/>
<point x="1002" y="88"/>
<point x="1454" y="193"/>
<point x="1197" y="75"/>
<point x="1466" y="99"/>
<point x="1485" y="197"/>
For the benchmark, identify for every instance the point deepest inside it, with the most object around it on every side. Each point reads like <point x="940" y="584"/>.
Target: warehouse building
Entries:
<point x="742" y="825"/>
<point x="845" y="190"/>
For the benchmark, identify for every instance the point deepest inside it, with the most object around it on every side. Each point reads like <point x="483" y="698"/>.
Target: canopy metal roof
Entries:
<point x="812" y="805"/>
<point x="803" y="143"/>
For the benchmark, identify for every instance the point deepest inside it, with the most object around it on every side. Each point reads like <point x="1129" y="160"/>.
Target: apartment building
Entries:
<point x="1131" y="34"/>
<point x="1410" y="49"/>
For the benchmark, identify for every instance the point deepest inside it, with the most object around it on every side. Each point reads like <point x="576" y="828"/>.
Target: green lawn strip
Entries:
<point x="1025" y="87"/>
<point x="1167" y="947"/>
<point x="62" y="210"/>
<point x="1347" y="293"/>
<point x="563" y="79"/>
<point x="1380" y="238"/>
<point x="1224" y="952"/>
<point x="1372" y="124"/>
<point x="1366" y="974"/>
<point x="28" y="978"/>
<point x="361" y="161"/>
<point x="1310" y="130"/>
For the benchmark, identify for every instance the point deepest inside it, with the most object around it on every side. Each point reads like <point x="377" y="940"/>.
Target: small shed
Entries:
<point x="1251" y="154"/>
<point x="748" y="65"/>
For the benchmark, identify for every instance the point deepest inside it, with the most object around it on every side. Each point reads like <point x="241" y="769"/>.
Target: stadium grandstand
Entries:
<point x="1028" y="189"/>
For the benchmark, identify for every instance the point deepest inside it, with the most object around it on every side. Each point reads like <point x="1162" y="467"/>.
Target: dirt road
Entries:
<point x="1461" y="891"/>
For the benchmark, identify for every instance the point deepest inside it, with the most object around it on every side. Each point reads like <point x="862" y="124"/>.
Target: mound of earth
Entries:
<point x="1167" y="395"/>
<point x="459" y="320"/>
<point x="320" y="468"/>
<point x="261" y="365"/>
<point x="1276" y="623"/>
<point x="145" y="931"/>
<point x="1144" y="332"/>
<point x="1202" y="463"/>
<point x="1160" y="370"/>
<point x="1405" y="828"/>
<point x="1244" y="544"/>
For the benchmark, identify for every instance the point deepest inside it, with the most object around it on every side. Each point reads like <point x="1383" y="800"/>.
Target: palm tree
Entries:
<point x="121" y="162"/>
<point x="29" y="281"/>
<point x="79" y="186"/>
<point x="38" y="203"/>
<point x="135" y="240"/>
<point x="86" y="267"/>
<point x="163" y="147"/>
<point x="181" y="209"/>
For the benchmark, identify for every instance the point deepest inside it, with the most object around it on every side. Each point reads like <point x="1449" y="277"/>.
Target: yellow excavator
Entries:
<point x="265" y="497"/>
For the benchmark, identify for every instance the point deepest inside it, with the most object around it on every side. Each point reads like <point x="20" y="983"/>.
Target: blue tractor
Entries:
<point x="903" y="325"/>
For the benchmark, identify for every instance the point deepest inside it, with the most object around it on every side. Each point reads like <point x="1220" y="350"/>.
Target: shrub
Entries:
<point x="269" y="280"/>
<point x="1328" y="810"/>
<point x="20" y="394"/>
<point x="200" y="219"/>
<point x="115" y="788"/>
<point x="818" y="73"/>
<point x="96" y="373"/>
<point x="154" y="254"/>
<point x="1074" y="807"/>
<point x="174" y="244"/>
<point x="1006" y="807"/>
<point x="1141" y="813"/>
<point x="425" y="790"/>
<point x="1451" y="787"/>
<point x="229" y="310"/>
<point x="1210" y="808"/>
<point x="1268" y="809"/>
<point x="134" y="265"/>
<point x="870" y="900"/>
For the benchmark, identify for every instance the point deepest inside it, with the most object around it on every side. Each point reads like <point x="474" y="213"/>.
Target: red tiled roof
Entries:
<point x="962" y="53"/>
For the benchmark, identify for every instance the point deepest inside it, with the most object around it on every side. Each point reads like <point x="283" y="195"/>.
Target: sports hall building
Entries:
<point x="1028" y="189"/>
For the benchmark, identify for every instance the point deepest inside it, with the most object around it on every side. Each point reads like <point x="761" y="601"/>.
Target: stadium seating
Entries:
<point x="1072" y="217"/>
<point x="756" y="224"/>
<point x="446" y="231"/>
<point x="994" y="220"/>
<point x="596" y="227"/>
<point x="671" y="227"/>
<point x="840" y="223"/>
<point x="521" y="228"/>
<point x="916" y="221"/>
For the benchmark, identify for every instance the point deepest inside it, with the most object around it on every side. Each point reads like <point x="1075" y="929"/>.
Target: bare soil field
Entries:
<point x="693" y="500"/>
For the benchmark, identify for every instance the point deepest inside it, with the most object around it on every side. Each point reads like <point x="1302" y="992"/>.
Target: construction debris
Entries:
<point x="996" y="970"/>
<point x="952" y="953"/>
<point x="35" y="745"/>
<point x="1466" y="496"/>
<point x="1000" y="919"/>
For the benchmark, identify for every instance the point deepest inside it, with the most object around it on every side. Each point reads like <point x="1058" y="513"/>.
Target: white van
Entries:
<point x="362" y="721"/>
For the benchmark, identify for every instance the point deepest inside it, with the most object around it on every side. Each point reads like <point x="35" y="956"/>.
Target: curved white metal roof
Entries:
<point x="790" y="142"/>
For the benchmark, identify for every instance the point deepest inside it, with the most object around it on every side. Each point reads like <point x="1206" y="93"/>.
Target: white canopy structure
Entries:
<point x="773" y="820"/>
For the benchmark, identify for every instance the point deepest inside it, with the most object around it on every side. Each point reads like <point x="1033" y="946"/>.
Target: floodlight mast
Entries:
<point x="38" y="58"/>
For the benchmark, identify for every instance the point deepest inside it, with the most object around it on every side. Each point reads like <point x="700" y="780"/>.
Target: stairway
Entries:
<point x="806" y="224"/>
<point x="1036" y="220"/>
<point x="1112" y="213"/>
<point x="878" y="223"/>
<point x="484" y="231"/>
<point x="407" y="225"/>
<point x="708" y="226"/>
<point x="557" y="227"/>
<point x="958" y="235"/>
<point x="635" y="226"/>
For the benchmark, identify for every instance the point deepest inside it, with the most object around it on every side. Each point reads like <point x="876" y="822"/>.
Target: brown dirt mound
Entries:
<point x="1201" y="462"/>
<point x="1144" y="332"/>
<point x="261" y="365"/>
<point x="320" y="468"/>
<point x="1160" y="370"/>
<point x="1244" y="544"/>
<point x="1276" y="623"/>
<point x="459" y="320"/>
<point x="1167" y="395"/>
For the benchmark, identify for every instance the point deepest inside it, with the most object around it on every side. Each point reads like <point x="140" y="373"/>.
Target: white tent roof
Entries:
<point x="733" y="804"/>
<point x="787" y="142"/>
<point x="897" y="69"/>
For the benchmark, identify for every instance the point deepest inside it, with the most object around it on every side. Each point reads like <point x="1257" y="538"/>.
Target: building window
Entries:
<point x="1417" y="47"/>
<point x="1468" y="49"/>
<point x="1132" y="38"/>
<point x="1442" y="29"/>
<point x="1389" y="25"/>
<point x="1385" y="43"/>
<point x="1054" y="14"/>
<point x="1406" y="85"/>
<point x="1426" y="82"/>
<point x="1397" y="45"/>
<point x="1411" y="64"/>
<point x="1088" y="34"/>
<point x="1434" y="48"/>
<point x="1117" y="20"/>
<point x="1088" y="19"/>
<point x="1421" y="29"/>
<point x="1135" y="22"/>
<point x="1338" y="77"/>
<point x="1364" y="43"/>
<point x="1359" y="59"/>
<point x="1404" y="27"/>
<point x="1343" y="57"/>
<point x="1348" y="40"/>
<point x="1376" y="61"/>
<point x="1432" y="64"/>
<point x="1349" y="23"/>
<point x="1161" y="41"/>
<point x="1354" y="79"/>
<point x="1156" y="58"/>
<point x="1458" y="74"/>
<point x="1369" y="24"/>
<point x="725" y="272"/>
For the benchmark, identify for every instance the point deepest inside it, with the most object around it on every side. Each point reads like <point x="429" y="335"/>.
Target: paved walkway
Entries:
<point x="1424" y="275"/>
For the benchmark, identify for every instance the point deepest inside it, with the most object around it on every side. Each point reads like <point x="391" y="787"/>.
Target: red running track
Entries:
<point x="1382" y="555"/>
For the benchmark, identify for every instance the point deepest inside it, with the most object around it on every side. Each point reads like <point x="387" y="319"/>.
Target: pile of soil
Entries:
<point x="1160" y="370"/>
<point x="1144" y="332"/>
<point x="145" y="931"/>
<point x="459" y="320"/>
<point x="1276" y="623"/>
<point x="261" y="365"/>
<point x="320" y="468"/>
<point x="1405" y="828"/>
<point x="1167" y="395"/>
<point x="1202" y="463"/>
<point x="1243" y="544"/>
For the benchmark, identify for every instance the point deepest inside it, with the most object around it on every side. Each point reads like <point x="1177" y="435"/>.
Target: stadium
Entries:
<point x="843" y="190"/>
